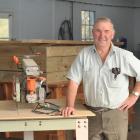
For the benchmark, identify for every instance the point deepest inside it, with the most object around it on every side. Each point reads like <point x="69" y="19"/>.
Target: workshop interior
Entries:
<point x="39" y="40"/>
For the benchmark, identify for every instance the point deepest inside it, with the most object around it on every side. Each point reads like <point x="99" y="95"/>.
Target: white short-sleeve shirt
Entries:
<point x="104" y="87"/>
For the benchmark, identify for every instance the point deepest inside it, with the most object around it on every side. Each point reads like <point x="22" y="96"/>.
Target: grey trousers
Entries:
<point x="109" y="125"/>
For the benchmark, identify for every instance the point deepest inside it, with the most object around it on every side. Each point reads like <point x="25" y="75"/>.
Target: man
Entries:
<point x="104" y="70"/>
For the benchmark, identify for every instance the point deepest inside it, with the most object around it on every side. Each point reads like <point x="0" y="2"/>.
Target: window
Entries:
<point x="87" y="21"/>
<point x="5" y="26"/>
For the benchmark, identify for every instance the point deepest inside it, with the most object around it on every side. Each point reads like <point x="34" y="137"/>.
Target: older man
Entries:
<point x="104" y="70"/>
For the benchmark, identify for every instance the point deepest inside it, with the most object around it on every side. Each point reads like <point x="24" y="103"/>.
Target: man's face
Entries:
<point x="103" y="34"/>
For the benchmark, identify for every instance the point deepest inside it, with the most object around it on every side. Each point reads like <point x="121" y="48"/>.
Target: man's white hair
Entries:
<point x="103" y="19"/>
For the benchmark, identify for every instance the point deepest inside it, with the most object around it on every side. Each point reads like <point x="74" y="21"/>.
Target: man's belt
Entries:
<point x="97" y="109"/>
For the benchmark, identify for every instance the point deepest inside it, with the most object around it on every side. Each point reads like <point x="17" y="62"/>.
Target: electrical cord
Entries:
<point x="65" y="31"/>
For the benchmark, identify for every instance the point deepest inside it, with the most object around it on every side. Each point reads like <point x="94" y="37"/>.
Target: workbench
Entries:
<point x="15" y="117"/>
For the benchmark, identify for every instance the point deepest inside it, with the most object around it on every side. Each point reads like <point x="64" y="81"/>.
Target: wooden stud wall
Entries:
<point x="59" y="60"/>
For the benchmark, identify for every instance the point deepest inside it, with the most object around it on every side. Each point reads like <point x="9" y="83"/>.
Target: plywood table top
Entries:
<point x="10" y="110"/>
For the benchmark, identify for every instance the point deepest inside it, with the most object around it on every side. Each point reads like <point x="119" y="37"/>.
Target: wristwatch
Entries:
<point x="136" y="93"/>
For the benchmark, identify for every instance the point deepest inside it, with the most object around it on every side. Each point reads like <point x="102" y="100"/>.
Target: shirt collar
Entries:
<point x="112" y="49"/>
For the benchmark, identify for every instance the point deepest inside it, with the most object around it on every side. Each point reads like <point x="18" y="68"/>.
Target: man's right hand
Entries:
<point x="67" y="111"/>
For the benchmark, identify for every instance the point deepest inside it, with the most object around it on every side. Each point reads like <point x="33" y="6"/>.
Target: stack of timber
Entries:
<point x="29" y="47"/>
<point x="59" y="56"/>
<point x="59" y="60"/>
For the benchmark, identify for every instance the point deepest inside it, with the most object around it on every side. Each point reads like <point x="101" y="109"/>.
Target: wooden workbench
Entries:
<point x="16" y="117"/>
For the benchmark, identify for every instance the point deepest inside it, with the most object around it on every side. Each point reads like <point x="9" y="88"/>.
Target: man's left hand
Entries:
<point x="129" y="102"/>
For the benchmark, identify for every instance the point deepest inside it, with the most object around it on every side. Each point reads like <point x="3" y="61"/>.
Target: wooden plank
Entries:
<point x="56" y="64"/>
<point x="56" y="77"/>
<point x="63" y="51"/>
<point x="9" y="110"/>
<point x="57" y="42"/>
<point x="9" y="51"/>
<point x="40" y="42"/>
<point x="59" y="60"/>
<point x="8" y="107"/>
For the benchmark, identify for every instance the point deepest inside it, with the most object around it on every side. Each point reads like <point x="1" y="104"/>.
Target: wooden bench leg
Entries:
<point x="82" y="129"/>
<point x="29" y="135"/>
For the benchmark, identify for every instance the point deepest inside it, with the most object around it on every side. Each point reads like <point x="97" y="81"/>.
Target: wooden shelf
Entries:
<point x="38" y="42"/>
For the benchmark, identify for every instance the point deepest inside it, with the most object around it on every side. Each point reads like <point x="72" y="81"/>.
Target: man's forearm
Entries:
<point x="71" y="93"/>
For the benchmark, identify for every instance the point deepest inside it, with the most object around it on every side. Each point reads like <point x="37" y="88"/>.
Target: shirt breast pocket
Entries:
<point x="115" y="82"/>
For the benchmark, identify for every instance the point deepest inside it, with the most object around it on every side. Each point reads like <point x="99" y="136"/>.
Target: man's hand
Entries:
<point x="67" y="111"/>
<point x="129" y="102"/>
